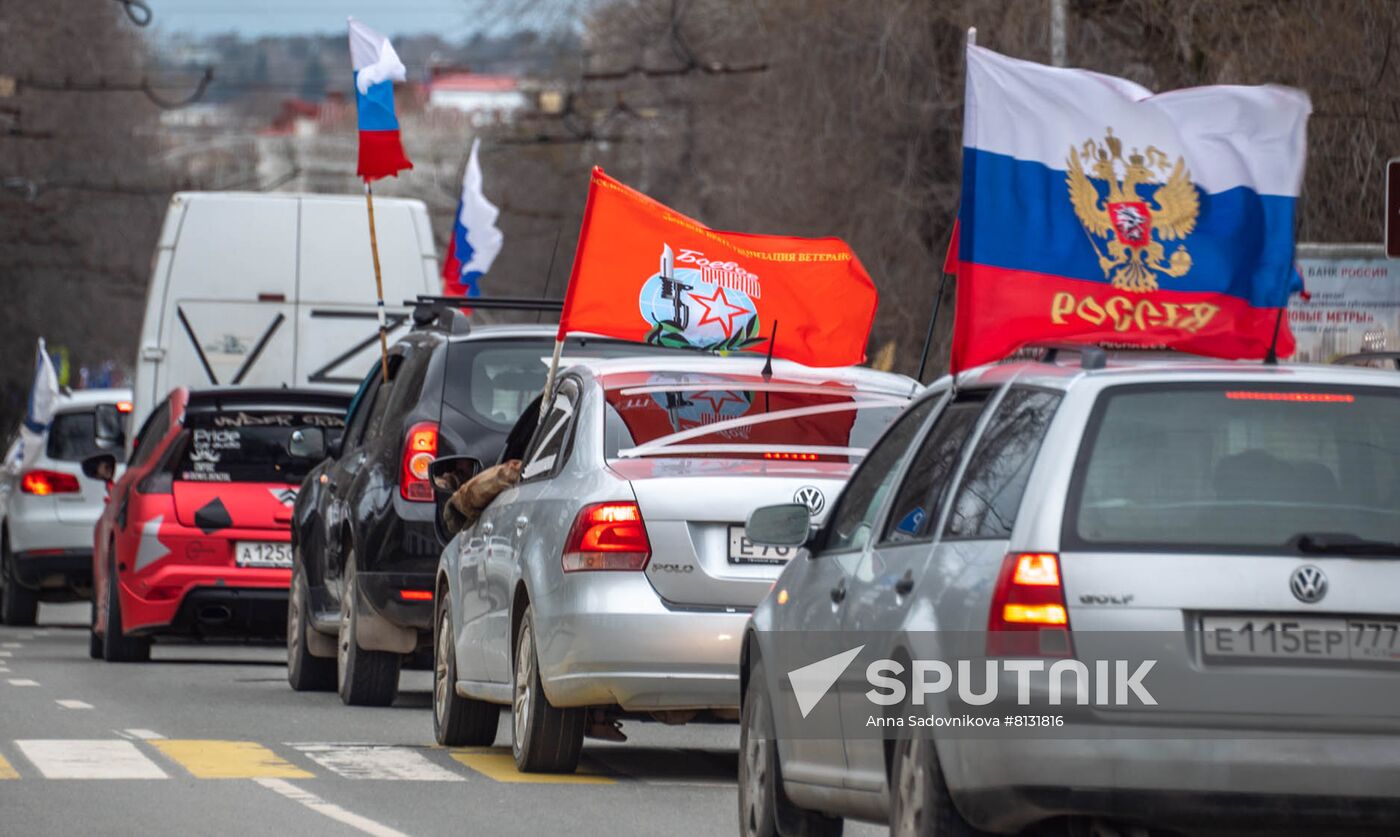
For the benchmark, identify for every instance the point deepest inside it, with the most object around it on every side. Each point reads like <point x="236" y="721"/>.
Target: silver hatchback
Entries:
<point x="1234" y="524"/>
<point x="615" y="579"/>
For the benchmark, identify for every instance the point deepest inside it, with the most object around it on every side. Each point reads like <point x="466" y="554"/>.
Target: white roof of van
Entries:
<point x="267" y="196"/>
<point x="89" y="397"/>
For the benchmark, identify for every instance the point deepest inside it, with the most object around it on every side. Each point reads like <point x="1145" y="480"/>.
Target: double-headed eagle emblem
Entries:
<point x="1134" y="224"/>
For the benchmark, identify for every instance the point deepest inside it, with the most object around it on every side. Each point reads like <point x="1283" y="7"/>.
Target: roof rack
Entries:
<point x="1090" y="357"/>
<point x="443" y="313"/>
<point x="1364" y="359"/>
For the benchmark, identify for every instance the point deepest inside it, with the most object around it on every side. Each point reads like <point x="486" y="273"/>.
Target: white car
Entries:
<point x="48" y="507"/>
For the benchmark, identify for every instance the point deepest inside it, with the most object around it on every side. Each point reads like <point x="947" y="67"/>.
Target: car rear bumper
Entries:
<point x="1198" y="779"/>
<point x="609" y="640"/>
<point x="55" y="569"/>
<point x="156" y="602"/>
<point x="383" y="592"/>
<point x="232" y="611"/>
<point x="32" y="529"/>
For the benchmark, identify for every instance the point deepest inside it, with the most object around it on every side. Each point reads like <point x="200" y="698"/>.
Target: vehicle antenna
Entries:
<point x="549" y="274"/>
<point x="772" y="341"/>
<point x="1271" y="357"/>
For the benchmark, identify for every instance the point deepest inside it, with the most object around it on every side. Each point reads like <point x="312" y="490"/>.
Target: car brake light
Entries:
<point x="419" y="451"/>
<point x="416" y="595"/>
<point x="1295" y="397"/>
<point x="788" y="456"/>
<point x="607" y="536"/>
<point x="124" y="406"/>
<point x="44" y="483"/>
<point x="1028" y="616"/>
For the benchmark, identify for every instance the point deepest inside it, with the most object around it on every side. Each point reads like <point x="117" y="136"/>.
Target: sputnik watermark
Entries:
<point x="1107" y="683"/>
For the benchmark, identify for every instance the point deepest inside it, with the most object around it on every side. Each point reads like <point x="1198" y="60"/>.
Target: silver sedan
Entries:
<point x="614" y="581"/>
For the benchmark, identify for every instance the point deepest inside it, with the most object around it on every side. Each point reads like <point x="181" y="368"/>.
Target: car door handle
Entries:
<point x="838" y="593"/>
<point x="488" y="527"/>
<point x="521" y="522"/>
<point x="905" y="583"/>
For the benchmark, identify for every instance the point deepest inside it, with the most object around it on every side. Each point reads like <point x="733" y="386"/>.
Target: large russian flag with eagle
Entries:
<point x="1094" y="211"/>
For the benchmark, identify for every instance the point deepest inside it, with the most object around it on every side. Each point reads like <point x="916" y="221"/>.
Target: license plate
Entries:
<point x="1302" y="638"/>
<point x="744" y="551"/>
<point x="262" y="554"/>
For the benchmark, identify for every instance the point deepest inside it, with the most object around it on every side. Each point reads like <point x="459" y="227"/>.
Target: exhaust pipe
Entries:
<point x="214" y="614"/>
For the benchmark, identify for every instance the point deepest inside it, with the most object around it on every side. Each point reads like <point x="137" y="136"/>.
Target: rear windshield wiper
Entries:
<point x="1339" y="543"/>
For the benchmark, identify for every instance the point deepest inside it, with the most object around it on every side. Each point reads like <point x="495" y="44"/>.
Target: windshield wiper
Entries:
<point x="1340" y="543"/>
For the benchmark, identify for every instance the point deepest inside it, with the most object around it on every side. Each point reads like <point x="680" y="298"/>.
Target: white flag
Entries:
<point x="43" y="395"/>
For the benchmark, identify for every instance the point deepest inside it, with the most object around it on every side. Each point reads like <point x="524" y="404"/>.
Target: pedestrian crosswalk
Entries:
<point x="167" y="758"/>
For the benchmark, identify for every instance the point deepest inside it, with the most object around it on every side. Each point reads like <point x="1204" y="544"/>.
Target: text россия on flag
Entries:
<point x="1094" y="211"/>
<point x="646" y="273"/>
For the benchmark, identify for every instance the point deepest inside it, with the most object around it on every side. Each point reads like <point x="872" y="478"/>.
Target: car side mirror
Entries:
<point x="447" y="474"/>
<point x="101" y="466"/>
<point x="308" y="443"/>
<point x="788" y="524"/>
<point x="109" y="427"/>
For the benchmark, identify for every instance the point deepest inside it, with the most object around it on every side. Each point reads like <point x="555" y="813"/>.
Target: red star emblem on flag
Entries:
<point x="718" y="309"/>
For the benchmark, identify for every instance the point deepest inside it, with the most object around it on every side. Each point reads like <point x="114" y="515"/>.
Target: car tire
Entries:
<point x="920" y="804"/>
<point x="18" y="606"/>
<point x="764" y="809"/>
<point x="364" y="678"/>
<point x="94" y="638"/>
<point x="117" y="647"/>
<point x="544" y="738"/>
<point x="457" y="721"/>
<point x="305" y="671"/>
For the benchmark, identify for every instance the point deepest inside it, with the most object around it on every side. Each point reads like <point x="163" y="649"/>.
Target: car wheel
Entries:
<point x="457" y="721"/>
<point x="365" y="678"/>
<point x="18" y="605"/>
<point x="305" y="671"/>
<point x="544" y="739"/>
<point x="117" y="647"/>
<point x="920" y="804"/>
<point x="764" y="809"/>
<point x="94" y="639"/>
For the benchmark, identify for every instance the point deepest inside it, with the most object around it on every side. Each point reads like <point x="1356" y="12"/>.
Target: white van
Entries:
<point x="276" y="289"/>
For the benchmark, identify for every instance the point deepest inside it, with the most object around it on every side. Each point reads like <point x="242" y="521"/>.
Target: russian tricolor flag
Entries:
<point x="377" y="67"/>
<point x="1094" y="211"/>
<point x="476" y="241"/>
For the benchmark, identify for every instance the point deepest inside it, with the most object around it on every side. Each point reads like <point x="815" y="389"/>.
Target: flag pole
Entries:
<point x="928" y="335"/>
<point x="549" y="378"/>
<point x="379" y="287"/>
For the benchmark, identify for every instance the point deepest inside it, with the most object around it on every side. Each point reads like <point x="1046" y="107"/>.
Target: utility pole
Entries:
<point x="1057" y="32"/>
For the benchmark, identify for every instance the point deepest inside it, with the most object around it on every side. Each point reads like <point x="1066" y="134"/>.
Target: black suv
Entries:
<point x="364" y="543"/>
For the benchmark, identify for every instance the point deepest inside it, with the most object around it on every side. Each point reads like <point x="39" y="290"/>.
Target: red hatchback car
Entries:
<point x="195" y="536"/>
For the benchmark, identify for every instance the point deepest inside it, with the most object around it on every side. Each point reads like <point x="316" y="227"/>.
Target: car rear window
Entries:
<point x="72" y="437"/>
<point x="494" y="381"/>
<point x="744" y="420"/>
<point x="249" y="446"/>
<point x="1204" y="467"/>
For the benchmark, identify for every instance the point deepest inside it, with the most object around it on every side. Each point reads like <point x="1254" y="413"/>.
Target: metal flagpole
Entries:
<point x="379" y="287"/>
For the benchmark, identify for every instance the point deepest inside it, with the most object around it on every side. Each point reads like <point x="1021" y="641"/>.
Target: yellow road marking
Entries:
<point x="497" y="764"/>
<point x="6" y="771"/>
<point x="229" y="760"/>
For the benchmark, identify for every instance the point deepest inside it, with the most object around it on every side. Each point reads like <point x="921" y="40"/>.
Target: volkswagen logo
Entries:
<point x="811" y="497"/>
<point x="1308" y="584"/>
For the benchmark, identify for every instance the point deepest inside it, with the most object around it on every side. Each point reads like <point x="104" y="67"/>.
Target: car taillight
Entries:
<point x="124" y="406"/>
<point x="607" y="536"/>
<point x="419" y="451"/>
<point x="44" y="483"/>
<point x="1029" y="617"/>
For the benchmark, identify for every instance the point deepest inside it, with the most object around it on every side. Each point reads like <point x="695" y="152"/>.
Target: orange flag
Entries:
<point x="646" y="273"/>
